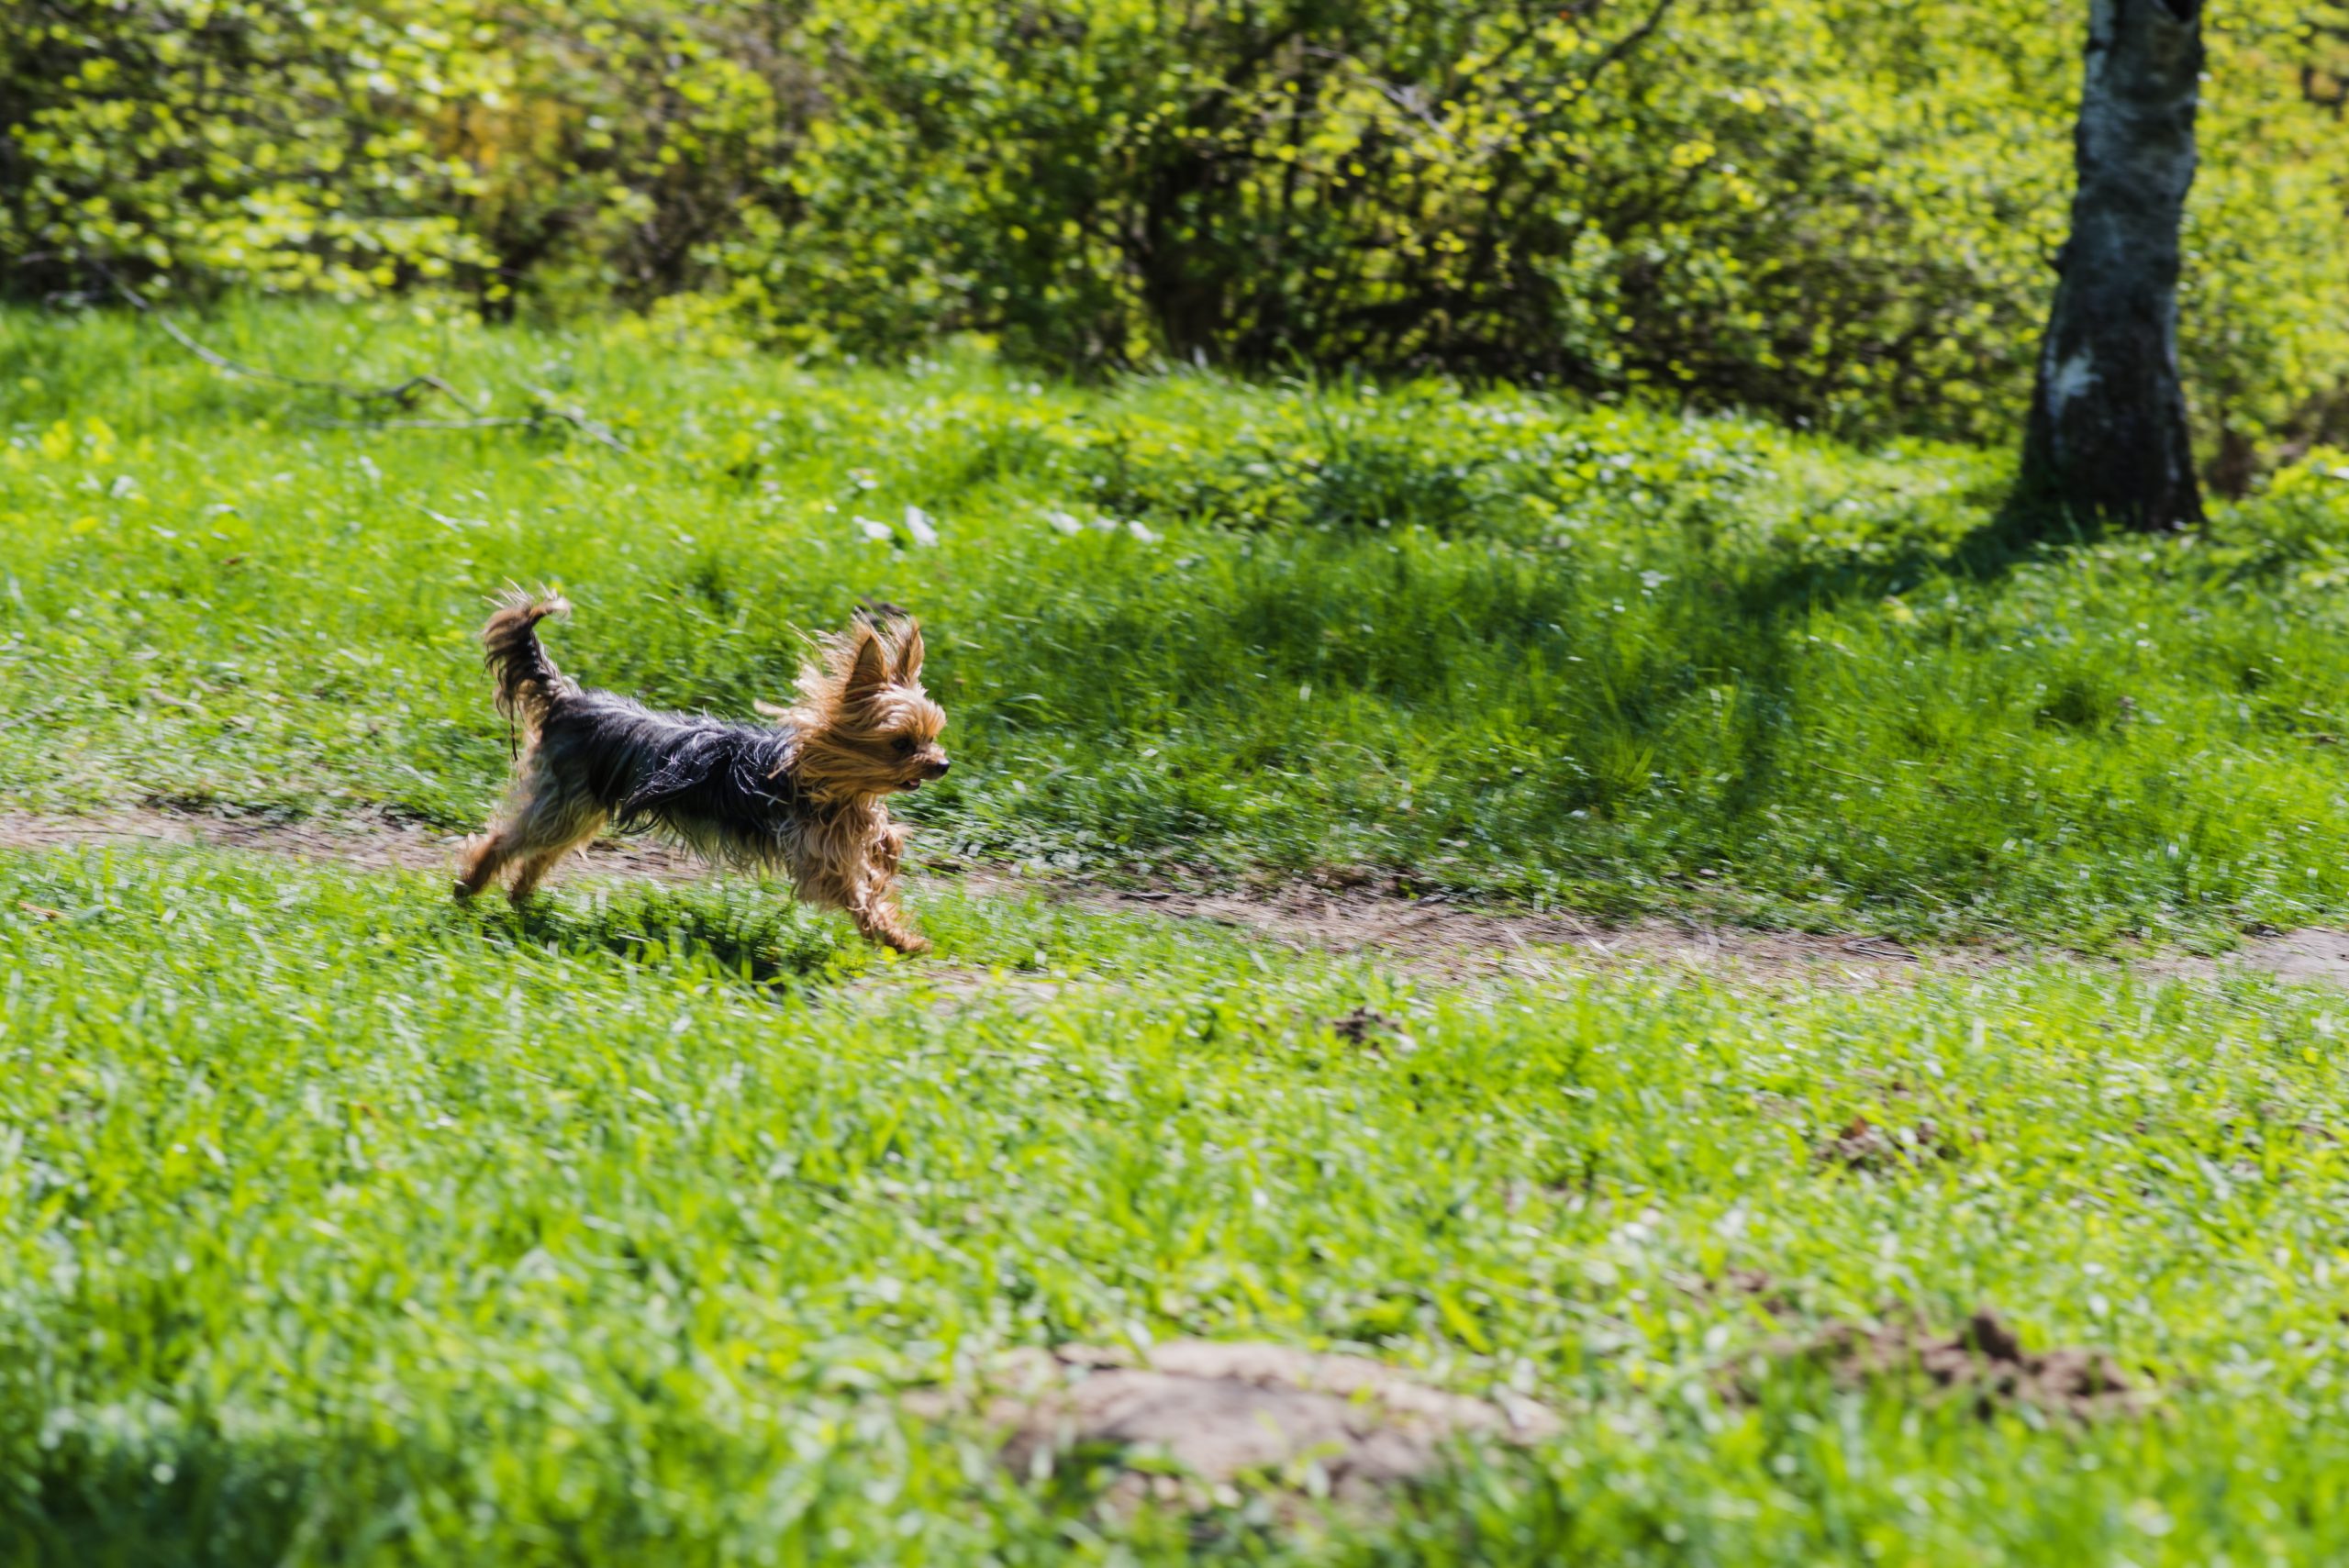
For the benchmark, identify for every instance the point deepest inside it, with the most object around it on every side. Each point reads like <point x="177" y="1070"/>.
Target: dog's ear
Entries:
<point x="869" y="670"/>
<point x="910" y="655"/>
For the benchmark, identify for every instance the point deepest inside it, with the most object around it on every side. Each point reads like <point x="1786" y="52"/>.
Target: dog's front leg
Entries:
<point x="874" y="907"/>
<point x="878" y="918"/>
<point x="868" y="898"/>
<point x="889" y="852"/>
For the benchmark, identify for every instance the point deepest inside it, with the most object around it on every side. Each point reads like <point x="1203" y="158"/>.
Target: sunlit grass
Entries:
<point x="345" y="1225"/>
<point x="341" y="1225"/>
<point x="1588" y="656"/>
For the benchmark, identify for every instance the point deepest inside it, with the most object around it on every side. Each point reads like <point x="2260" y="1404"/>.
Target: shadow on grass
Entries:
<point x="203" y="1505"/>
<point x="1597" y="715"/>
<point x="1765" y="606"/>
<point x="746" y="934"/>
<point x="203" y="1500"/>
<point x="2020" y="531"/>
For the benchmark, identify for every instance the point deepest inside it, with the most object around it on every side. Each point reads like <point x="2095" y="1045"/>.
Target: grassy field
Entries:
<point x="1597" y="658"/>
<point x="342" y="1226"/>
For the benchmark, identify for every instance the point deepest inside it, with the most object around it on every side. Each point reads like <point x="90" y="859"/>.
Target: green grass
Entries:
<point x="1592" y="657"/>
<point x="342" y="1226"/>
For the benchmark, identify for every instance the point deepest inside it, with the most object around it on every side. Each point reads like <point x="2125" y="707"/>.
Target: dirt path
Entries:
<point x="1441" y="935"/>
<point x="1436" y="936"/>
<point x="382" y="846"/>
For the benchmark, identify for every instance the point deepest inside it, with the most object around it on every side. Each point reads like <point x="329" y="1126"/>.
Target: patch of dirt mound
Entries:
<point x="1983" y="1362"/>
<point x="1193" y="1418"/>
<point x="1363" y="1027"/>
<point x="1861" y="1145"/>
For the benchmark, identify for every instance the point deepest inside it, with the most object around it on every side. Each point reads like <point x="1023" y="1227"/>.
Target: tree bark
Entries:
<point x="2108" y="437"/>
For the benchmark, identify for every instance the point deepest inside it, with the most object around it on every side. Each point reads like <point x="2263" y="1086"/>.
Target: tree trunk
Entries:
<point x="2107" y="439"/>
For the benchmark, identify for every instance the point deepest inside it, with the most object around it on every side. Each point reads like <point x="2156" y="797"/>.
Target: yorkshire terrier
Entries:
<point x="807" y="794"/>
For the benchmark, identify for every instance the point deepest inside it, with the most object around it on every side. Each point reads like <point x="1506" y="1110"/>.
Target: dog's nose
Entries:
<point x="938" y="769"/>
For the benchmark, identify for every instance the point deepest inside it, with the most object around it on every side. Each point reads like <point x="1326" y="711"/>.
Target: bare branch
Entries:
<point x="404" y="393"/>
<point x="544" y="410"/>
<point x="485" y="422"/>
<point x="538" y="418"/>
<point x="575" y="417"/>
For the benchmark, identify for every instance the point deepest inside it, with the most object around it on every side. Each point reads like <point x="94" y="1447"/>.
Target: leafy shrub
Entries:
<point x="253" y="141"/>
<point x="592" y="147"/>
<point x="1838" y="211"/>
<point x="626" y="138"/>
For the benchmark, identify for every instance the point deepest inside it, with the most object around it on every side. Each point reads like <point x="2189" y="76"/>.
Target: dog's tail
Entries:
<point x="528" y="683"/>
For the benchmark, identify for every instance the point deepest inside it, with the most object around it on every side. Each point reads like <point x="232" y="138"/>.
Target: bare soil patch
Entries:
<point x="1435" y="935"/>
<point x="1190" y="1421"/>
<point x="1365" y="1027"/>
<point x="954" y="987"/>
<point x="2316" y="956"/>
<point x="375" y="843"/>
<point x="1862" y="1145"/>
<point x="1982" y="1364"/>
<point x="1439" y="935"/>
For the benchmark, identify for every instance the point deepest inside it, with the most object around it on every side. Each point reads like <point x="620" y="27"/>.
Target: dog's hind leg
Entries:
<point x="542" y="821"/>
<point x="536" y="866"/>
<point x="484" y="857"/>
<point x="552" y="822"/>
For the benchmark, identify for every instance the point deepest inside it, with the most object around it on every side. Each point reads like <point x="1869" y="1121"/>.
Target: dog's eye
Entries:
<point x="905" y="744"/>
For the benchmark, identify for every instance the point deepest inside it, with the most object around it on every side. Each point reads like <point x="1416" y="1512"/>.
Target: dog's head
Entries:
<point x="866" y="727"/>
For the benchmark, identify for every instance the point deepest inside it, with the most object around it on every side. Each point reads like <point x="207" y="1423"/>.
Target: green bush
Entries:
<point x="250" y="140"/>
<point x="591" y="146"/>
<point x="626" y="139"/>
<point x="1833" y="210"/>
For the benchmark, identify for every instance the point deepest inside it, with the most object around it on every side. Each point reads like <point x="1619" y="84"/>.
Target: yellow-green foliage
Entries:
<point x="256" y="140"/>
<point x="1838" y="211"/>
